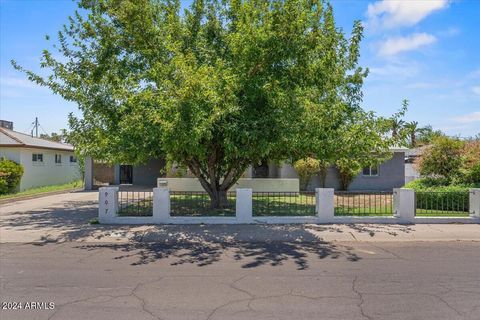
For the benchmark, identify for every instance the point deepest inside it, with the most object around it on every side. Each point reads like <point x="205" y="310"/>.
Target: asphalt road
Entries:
<point x="277" y="280"/>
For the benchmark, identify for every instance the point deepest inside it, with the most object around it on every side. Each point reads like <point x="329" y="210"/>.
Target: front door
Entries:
<point x="261" y="171"/>
<point x="126" y="174"/>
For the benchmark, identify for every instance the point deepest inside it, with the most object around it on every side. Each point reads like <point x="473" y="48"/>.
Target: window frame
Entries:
<point x="370" y="171"/>
<point x="74" y="158"/>
<point x="35" y="158"/>
<point x="58" y="159"/>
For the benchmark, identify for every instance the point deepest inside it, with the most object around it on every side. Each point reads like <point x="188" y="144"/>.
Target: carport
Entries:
<point x="98" y="173"/>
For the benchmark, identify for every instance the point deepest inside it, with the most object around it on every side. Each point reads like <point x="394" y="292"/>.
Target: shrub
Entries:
<point x="306" y="168"/>
<point x="434" y="194"/>
<point x="10" y="175"/>
<point x="442" y="159"/>
<point x="470" y="170"/>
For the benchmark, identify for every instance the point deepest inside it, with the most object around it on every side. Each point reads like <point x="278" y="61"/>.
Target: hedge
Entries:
<point x="10" y="175"/>
<point x="433" y="194"/>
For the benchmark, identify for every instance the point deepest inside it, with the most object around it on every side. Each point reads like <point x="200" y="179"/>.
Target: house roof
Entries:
<point x="416" y="151"/>
<point x="10" y="138"/>
<point x="398" y="149"/>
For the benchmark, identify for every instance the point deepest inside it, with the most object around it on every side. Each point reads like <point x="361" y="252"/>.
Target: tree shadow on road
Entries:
<point x="251" y="245"/>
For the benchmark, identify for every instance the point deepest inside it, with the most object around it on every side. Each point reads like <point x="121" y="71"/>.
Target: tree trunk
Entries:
<point x="218" y="199"/>
<point x="216" y="186"/>
<point x="323" y="175"/>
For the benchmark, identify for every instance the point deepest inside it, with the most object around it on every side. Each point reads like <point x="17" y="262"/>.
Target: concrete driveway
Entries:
<point x="50" y="253"/>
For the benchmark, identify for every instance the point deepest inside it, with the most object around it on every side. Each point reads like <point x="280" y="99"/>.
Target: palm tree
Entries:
<point x="412" y="130"/>
<point x="397" y="126"/>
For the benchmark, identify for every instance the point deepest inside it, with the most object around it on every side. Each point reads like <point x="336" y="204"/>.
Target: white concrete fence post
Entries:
<point x="404" y="205"/>
<point x="161" y="205"/>
<point x="474" y="203"/>
<point x="324" y="204"/>
<point x="107" y="204"/>
<point x="243" y="206"/>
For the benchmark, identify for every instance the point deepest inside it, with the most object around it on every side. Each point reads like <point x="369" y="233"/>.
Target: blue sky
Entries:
<point x="425" y="51"/>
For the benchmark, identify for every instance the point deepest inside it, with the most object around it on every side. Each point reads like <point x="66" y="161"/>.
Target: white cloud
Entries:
<point x="393" y="70"/>
<point x="476" y="90"/>
<point x="395" y="45"/>
<point x="469" y="118"/>
<point x="390" y="14"/>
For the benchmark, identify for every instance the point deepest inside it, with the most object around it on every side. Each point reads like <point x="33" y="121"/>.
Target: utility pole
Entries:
<point x="35" y="125"/>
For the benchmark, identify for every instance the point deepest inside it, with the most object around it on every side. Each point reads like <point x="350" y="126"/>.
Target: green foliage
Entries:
<point x="442" y="159"/>
<point x="57" y="137"/>
<point x="427" y="135"/>
<point x="347" y="170"/>
<point x="470" y="170"/>
<point x="436" y="194"/>
<point x="222" y="86"/>
<point x="306" y="168"/>
<point x="453" y="167"/>
<point x="10" y="176"/>
<point x="361" y="143"/>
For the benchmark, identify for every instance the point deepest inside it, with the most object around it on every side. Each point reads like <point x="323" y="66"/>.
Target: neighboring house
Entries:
<point x="411" y="155"/>
<point x="44" y="162"/>
<point x="386" y="176"/>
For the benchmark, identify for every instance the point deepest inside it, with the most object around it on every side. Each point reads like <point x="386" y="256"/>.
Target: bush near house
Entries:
<point x="306" y="168"/>
<point x="10" y="175"/>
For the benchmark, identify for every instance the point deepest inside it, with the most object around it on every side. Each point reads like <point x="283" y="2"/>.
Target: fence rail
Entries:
<point x="363" y="204"/>
<point x="442" y="203"/>
<point x="135" y="203"/>
<point x="198" y="204"/>
<point x="283" y="204"/>
<point x="162" y="206"/>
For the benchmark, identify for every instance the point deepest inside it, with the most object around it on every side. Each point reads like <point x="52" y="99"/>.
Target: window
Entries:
<point x="58" y="158"/>
<point x="37" y="157"/>
<point x="371" y="171"/>
<point x="73" y="159"/>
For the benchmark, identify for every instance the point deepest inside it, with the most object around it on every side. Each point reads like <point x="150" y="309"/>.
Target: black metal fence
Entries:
<point x="190" y="203"/>
<point x="349" y="203"/>
<point x="135" y="203"/>
<point x="283" y="204"/>
<point x="442" y="203"/>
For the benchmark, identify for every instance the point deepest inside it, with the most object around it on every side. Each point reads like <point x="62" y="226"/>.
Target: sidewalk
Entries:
<point x="245" y="233"/>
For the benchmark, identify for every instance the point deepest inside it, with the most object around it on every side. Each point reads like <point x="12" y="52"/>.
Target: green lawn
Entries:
<point x="363" y="211"/>
<point x="441" y="213"/>
<point x="265" y="205"/>
<point x="35" y="191"/>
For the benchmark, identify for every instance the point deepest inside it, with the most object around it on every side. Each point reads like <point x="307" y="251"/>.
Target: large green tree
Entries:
<point x="215" y="88"/>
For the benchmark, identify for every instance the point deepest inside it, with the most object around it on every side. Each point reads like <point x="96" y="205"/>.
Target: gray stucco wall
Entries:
<point x="391" y="175"/>
<point x="147" y="174"/>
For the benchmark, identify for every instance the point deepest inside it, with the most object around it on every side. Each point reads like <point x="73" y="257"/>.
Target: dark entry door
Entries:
<point x="126" y="174"/>
<point x="261" y="171"/>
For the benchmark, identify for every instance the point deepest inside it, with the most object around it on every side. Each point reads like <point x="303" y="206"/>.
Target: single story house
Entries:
<point x="44" y="162"/>
<point x="388" y="175"/>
